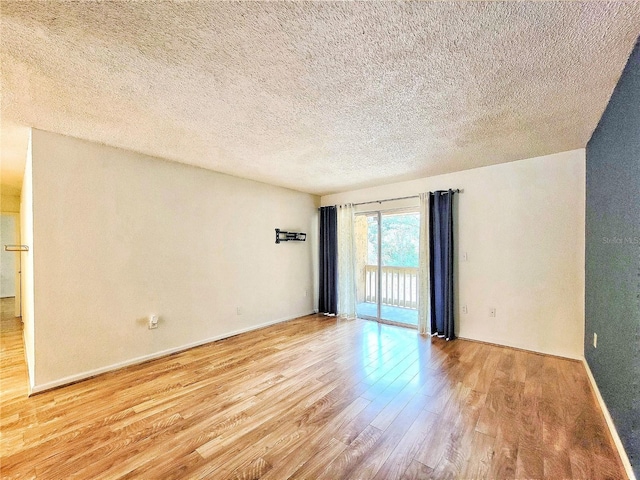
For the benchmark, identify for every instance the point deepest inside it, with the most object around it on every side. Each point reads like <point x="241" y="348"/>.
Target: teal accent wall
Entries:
<point x="612" y="282"/>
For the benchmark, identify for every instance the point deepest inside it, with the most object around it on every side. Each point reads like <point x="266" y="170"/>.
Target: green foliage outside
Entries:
<point x="400" y="240"/>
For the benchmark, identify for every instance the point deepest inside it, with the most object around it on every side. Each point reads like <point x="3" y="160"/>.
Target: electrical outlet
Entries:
<point x="153" y="322"/>
<point x="595" y="340"/>
<point x="465" y="257"/>
<point x="238" y="311"/>
<point x="492" y="312"/>
<point x="465" y="310"/>
<point x="306" y="293"/>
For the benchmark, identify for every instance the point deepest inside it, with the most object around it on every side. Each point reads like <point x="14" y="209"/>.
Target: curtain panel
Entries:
<point x="441" y="263"/>
<point x="424" y="297"/>
<point x="328" y="295"/>
<point x="346" y="262"/>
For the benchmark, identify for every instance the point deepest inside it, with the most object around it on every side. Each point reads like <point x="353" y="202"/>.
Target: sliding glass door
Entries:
<point x="387" y="266"/>
<point x="367" y="261"/>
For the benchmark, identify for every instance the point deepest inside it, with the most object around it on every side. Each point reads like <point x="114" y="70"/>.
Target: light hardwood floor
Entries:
<point x="311" y="398"/>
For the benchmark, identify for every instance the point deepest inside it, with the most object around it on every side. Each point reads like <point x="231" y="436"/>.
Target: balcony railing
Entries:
<point x="399" y="286"/>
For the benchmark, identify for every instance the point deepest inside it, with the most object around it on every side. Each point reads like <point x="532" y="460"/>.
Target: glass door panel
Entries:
<point x="399" y="252"/>
<point x="387" y="246"/>
<point x="366" y="235"/>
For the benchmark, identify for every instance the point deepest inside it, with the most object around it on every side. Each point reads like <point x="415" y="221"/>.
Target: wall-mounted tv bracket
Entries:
<point x="282" y="236"/>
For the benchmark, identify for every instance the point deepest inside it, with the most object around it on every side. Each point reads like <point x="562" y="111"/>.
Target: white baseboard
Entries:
<point x="152" y="356"/>
<point x="610" y="424"/>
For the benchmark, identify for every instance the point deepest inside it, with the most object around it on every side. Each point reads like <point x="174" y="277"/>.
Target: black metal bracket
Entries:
<point x="282" y="236"/>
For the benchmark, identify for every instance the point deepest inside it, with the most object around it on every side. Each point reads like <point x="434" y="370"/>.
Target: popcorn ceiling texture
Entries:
<point x="318" y="97"/>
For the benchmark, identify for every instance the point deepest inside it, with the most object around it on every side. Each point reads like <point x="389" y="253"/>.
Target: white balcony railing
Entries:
<point x="399" y="286"/>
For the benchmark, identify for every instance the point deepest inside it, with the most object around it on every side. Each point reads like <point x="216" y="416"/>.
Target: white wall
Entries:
<point x="26" y="278"/>
<point x="522" y="225"/>
<point x="121" y="235"/>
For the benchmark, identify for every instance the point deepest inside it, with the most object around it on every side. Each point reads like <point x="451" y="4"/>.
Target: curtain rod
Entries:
<point x="457" y="190"/>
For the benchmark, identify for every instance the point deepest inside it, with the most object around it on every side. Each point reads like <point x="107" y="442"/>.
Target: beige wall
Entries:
<point x="522" y="225"/>
<point x="26" y="278"/>
<point x="120" y="235"/>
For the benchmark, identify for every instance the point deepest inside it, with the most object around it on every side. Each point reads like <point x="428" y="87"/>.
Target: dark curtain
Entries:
<point x="328" y="302"/>
<point x="441" y="263"/>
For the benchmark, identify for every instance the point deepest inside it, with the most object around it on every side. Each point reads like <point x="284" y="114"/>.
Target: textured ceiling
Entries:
<point x="318" y="97"/>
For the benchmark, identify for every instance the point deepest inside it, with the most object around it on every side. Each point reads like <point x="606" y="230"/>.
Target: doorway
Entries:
<point x="10" y="263"/>
<point x="387" y="259"/>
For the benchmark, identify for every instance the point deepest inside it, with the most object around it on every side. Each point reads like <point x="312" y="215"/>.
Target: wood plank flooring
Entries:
<point x="313" y="398"/>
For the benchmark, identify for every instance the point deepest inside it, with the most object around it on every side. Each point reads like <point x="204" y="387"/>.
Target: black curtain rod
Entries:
<point x="457" y="190"/>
